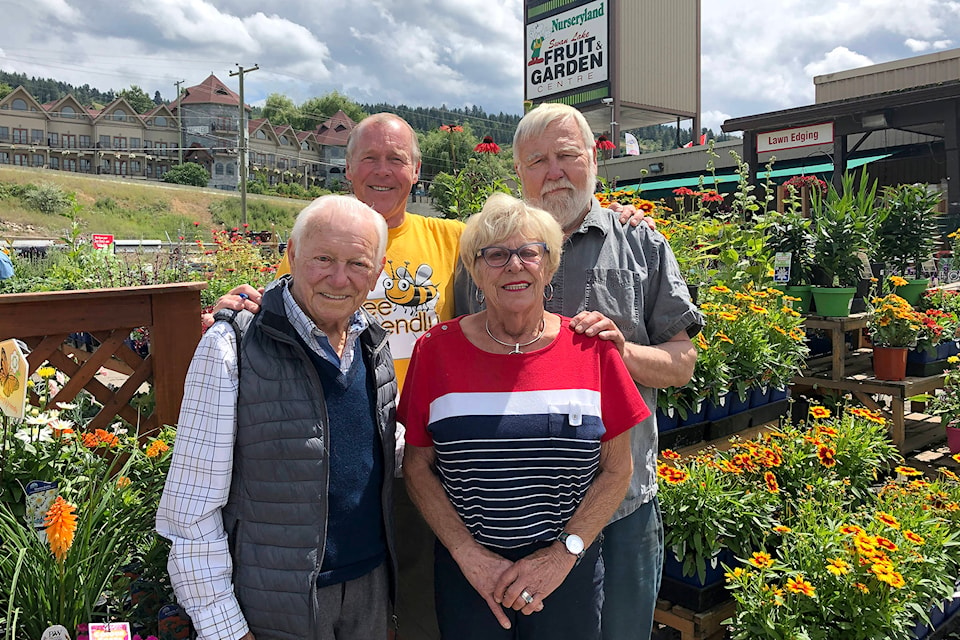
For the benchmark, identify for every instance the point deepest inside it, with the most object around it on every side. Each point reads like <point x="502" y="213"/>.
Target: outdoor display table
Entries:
<point x="851" y="370"/>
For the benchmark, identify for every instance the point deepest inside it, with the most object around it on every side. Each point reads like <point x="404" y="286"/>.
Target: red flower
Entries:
<point x="245" y="225"/>
<point x="487" y="146"/>
<point x="604" y="144"/>
<point x="684" y="191"/>
<point x="711" y="196"/>
<point x="196" y="224"/>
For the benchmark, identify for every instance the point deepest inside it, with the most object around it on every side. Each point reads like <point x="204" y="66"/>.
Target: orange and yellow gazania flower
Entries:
<point x="837" y="566"/>
<point x="761" y="560"/>
<point x="60" y="523"/>
<point x="888" y="519"/>
<point x="826" y="456"/>
<point x="771" y="481"/>
<point x="819" y="412"/>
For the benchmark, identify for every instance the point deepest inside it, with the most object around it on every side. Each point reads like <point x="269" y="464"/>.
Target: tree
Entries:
<point x="442" y="149"/>
<point x="316" y="111"/>
<point x="157" y="98"/>
<point x="137" y="98"/>
<point x="189" y="173"/>
<point x="5" y="90"/>
<point x="279" y="109"/>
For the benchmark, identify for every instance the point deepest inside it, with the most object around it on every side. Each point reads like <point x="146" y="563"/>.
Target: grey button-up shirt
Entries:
<point x="630" y="275"/>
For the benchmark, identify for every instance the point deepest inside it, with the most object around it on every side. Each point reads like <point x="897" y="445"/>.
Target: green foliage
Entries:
<point x="113" y="483"/>
<point x="137" y="98"/>
<point x="789" y="232"/>
<point x="47" y="198"/>
<point x="908" y="229"/>
<point x="189" y="173"/>
<point x="843" y="223"/>
<point x="463" y="194"/>
<point x="261" y="214"/>
<point x="446" y="151"/>
<point x="500" y="127"/>
<point x="279" y="109"/>
<point x="5" y="90"/>
<point x="316" y="111"/>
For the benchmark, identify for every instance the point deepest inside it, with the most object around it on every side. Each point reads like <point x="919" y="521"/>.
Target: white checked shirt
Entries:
<point x="198" y="484"/>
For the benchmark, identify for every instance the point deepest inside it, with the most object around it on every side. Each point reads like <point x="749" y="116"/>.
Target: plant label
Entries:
<point x="781" y="267"/>
<point x="56" y="632"/>
<point x="109" y="630"/>
<point x="39" y="496"/>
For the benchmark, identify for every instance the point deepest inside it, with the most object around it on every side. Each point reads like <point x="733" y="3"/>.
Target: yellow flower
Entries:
<point x="915" y="538"/>
<point x="719" y="288"/>
<point x="897" y="281"/>
<point x="908" y="471"/>
<point x="726" y="315"/>
<point x="761" y="560"/>
<point x="739" y="572"/>
<point x="758" y="309"/>
<point x="863" y="588"/>
<point x="722" y="337"/>
<point x="771" y="481"/>
<point x="838" y="567"/>
<point x="953" y="359"/>
<point x="887" y="519"/>
<point x="799" y="585"/>
<point x="46" y="372"/>
<point x="819" y="412"/>
<point x="61" y="523"/>
<point x="782" y="529"/>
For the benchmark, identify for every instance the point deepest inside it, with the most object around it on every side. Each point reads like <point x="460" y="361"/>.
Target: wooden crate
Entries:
<point x="706" y="625"/>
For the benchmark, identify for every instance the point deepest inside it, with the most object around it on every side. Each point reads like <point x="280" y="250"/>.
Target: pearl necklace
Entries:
<point x="516" y="346"/>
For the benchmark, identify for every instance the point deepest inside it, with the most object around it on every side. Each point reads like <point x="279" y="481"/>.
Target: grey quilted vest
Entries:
<point x="276" y="515"/>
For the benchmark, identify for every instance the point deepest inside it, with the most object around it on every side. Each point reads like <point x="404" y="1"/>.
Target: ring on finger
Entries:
<point x="526" y="596"/>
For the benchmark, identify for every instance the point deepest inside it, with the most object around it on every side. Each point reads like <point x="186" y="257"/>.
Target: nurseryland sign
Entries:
<point x="567" y="51"/>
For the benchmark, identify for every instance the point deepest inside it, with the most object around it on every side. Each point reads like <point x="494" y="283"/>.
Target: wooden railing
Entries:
<point x="44" y="321"/>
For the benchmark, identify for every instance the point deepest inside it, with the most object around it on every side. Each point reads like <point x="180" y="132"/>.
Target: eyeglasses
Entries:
<point x="530" y="253"/>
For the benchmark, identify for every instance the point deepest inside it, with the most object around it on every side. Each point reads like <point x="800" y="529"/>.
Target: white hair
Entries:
<point x="341" y="205"/>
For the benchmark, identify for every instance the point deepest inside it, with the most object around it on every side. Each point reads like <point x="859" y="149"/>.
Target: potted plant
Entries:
<point x="946" y="404"/>
<point x="907" y="233"/>
<point x="842" y="224"/>
<point x="894" y="327"/>
<point x="789" y="232"/>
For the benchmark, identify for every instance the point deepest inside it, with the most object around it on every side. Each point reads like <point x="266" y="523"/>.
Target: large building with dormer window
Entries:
<point x="202" y="125"/>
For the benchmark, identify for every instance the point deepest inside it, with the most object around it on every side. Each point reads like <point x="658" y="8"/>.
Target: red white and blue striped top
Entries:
<point x="517" y="436"/>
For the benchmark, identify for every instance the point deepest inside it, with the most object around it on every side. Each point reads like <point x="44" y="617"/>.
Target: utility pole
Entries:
<point x="179" y="123"/>
<point x="242" y="141"/>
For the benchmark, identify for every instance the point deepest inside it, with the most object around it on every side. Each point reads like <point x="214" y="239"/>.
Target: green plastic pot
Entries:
<point x="833" y="302"/>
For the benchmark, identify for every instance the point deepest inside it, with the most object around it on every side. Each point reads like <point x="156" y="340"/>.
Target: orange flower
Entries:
<point x="771" y="481"/>
<point x="782" y="529"/>
<point x="670" y="454"/>
<point x="913" y="537"/>
<point x="908" y="471"/>
<point x="863" y="588"/>
<point x="156" y="448"/>
<point x="61" y="523"/>
<point x="799" y="585"/>
<point x="888" y="520"/>
<point x="885" y="543"/>
<point x="123" y="482"/>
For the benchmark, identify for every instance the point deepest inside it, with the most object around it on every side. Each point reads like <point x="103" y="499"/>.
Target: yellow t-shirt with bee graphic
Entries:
<point x="415" y="290"/>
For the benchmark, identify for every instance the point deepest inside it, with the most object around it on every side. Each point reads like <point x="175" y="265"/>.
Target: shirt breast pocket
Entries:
<point x="617" y="294"/>
<point x="574" y="420"/>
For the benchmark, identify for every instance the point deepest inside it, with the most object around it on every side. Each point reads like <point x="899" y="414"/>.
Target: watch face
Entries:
<point x="574" y="544"/>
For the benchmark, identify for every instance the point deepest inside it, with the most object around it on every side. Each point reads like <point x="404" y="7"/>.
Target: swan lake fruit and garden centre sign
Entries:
<point x="567" y="51"/>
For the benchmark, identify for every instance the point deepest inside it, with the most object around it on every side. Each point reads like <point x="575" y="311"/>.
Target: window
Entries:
<point x="135" y="144"/>
<point x="4" y="133"/>
<point x="260" y="135"/>
<point x="105" y="165"/>
<point x="69" y="164"/>
<point x="19" y="104"/>
<point x="69" y="141"/>
<point x="162" y="148"/>
<point x="219" y="169"/>
<point x="21" y="160"/>
<point x="19" y="136"/>
<point x="38" y="160"/>
<point x="4" y="157"/>
<point x="160" y="121"/>
<point x="148" y="144"/>
<point x="225" y="124"/>
<point x="283" y="140"/>
<point x="53" y="139"/>
<point x="149" y="169"/>
<point x="119" y="142"/>
<point x="36" y="136"/>
<point x="282" y="163"/>
<point x="84" y="142"/>
<point x="230" y="171"/>
<point x="305" y="146"/>
<point x="121" y="167"/>
<point x="68" y="112"/>
<point x="54" y="163"/>
<point x="271" y="160"/>
<point x="86" y="165"/>
<point x="135" y="166"/>
<point x="119" y="114"/>
<point x="104" y="142"/>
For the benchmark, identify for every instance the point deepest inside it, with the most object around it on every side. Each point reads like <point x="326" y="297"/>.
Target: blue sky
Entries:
<point x="757" y="56"/>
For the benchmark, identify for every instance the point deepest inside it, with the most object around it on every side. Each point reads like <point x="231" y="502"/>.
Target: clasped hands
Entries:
<point x="502" y="583"/>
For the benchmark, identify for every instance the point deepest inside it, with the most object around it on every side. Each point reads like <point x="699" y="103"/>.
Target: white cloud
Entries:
<point x="838" y="59"/>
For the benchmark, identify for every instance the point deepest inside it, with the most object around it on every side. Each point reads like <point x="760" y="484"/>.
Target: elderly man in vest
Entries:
<point x="278" y="500"/>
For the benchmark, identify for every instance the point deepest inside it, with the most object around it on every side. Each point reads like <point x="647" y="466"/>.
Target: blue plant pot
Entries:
<point x="696" y="415"/>
<point x="759" y="396"/>
<point x="736" y="404"/>
<point x="667" y="420"/>
<point x="923" y="356"/>
<point x="673" y="568"/>
<point x="776" y="395"/>
<point x="719" y="408"/>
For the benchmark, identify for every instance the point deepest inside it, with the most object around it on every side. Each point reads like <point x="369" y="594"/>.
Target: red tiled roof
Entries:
<point x="210" y="91"/>
<point x="335" y="131"/>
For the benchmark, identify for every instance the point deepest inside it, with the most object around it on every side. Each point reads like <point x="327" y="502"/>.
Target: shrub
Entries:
<point x="47" y="198"/>
<point x="189" y="173"/>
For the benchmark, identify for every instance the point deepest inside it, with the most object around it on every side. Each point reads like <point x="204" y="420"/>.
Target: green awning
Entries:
<point x="724" y="178"/>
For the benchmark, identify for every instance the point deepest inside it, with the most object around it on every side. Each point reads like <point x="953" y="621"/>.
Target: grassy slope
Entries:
<point x="126" y="208"/>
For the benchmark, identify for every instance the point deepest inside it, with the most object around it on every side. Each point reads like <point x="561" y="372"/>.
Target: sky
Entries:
<point x="757" y="55"/>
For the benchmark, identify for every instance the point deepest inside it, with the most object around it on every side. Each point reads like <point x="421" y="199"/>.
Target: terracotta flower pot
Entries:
<point x="889" y="363"/>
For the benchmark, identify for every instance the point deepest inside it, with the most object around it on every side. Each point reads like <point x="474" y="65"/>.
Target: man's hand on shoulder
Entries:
<point x="239" y="298"/>
<point x="630" y="214"/>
